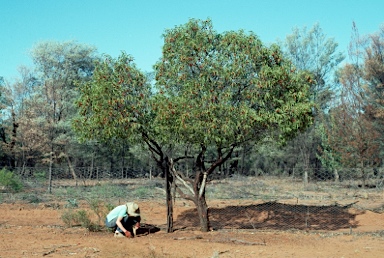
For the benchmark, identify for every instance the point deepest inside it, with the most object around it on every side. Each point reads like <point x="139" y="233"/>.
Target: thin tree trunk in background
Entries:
<point x="305" y="177"/>
<point x="71" y="169"/>
<point x="50" y="174"/>
<point x="12" y="145"/>
<point x="91" y="169"/>
<point x="336" y="174"/>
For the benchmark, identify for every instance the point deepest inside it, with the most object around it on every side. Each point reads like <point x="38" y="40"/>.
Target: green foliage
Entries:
<point x="75" y="217"/>
<point x="10" y="181"/>
<point x="40" y="176"/>
<point x="32" y="198"/>
<point x="114" y="104"/>
<point x="100" y="208"/>
<point x="220" y="89"/>
<point x="211" y="88"/>
<point x="328" y="156"/>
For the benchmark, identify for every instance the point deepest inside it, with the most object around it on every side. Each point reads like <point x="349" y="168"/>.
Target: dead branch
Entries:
<point x="49" y="252"/>
<point x="238" y="241"/>
<point x="203" y="185"/>
<point x="346" y="206"/>
<point x="188" y="238"/>
<point x="179" y="177"/>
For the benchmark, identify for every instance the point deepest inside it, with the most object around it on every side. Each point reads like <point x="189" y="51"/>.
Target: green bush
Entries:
<point x="40" y="176"/>
<point x="99" y="208"/>
<point x="81" y="218"/>
<point x="10" y="181"/>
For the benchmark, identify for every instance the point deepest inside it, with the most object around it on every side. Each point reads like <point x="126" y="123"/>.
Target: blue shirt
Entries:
<point x="119" y="211"/>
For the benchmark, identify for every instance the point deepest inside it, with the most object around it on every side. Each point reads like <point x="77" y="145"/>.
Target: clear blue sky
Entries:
<point x="136" y="26"/>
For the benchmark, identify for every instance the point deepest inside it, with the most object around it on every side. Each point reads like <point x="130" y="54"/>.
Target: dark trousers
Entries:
<point x="128" y="223"/>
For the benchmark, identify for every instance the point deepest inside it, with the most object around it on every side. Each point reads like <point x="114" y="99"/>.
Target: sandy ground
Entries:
<point x="28" y="230"/>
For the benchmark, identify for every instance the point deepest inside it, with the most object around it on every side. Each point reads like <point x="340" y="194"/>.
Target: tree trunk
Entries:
<point x="92" y="164"/>
<point x="201" y="204"/>
<point x="71" y="169"/>
<point x="305" y="177"/>
<point x="15" y="125"/>
<point x="50" y="174"/>
<point x="336" y="174"/>
<point x="168" y="188"/>
<point x="202" y="210"/>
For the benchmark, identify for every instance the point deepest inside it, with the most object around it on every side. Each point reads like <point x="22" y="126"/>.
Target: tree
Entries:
<point x="314" y="52"/>
<point x="58" y="66"/>
<point x="373" y="69"/>
<point x="352" y="132"/>
<point x="2" y="131"/>
<point x="214" y="92"/>
<point x="220" y="91"/>
<point x="20" y="143"/>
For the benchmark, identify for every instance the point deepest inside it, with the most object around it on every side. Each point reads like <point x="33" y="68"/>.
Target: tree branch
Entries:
<point x="202" y="187"/>
<point x="179" y="177"/>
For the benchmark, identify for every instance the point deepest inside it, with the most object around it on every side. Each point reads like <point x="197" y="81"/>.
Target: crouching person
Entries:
<point x="124" y="220"/>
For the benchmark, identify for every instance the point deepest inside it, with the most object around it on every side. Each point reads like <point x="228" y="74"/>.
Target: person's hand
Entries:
<point x="137" y="225"/>
<point x="128" y="234"/>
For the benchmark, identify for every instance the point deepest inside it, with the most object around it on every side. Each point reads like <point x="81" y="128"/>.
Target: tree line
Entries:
<point x="214" y="104"/>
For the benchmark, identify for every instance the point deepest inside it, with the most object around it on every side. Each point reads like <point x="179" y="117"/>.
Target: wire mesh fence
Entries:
<point x="296" y="200"/>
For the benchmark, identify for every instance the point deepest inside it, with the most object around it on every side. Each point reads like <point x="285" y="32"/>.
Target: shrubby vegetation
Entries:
<point x="10" y="182"/>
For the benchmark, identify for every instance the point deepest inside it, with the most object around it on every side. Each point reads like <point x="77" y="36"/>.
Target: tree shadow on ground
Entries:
<point x="146" y="229"/>
<point x="274" y="215"/>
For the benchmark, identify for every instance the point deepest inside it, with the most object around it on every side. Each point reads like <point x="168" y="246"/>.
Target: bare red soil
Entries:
<point x="28" y="230"/>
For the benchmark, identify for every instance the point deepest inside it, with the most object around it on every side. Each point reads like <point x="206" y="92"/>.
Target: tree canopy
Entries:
<point x="227" y="88"/>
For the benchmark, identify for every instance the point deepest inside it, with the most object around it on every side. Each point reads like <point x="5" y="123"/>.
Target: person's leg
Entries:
<point x="111" y="224"/>
<point x="129" y="223"/>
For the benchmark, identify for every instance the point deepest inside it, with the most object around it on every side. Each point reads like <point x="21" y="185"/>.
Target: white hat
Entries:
<point x="133" y="209"/>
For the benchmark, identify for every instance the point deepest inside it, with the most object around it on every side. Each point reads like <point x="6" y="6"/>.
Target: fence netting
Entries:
<point x="296" y="200"/>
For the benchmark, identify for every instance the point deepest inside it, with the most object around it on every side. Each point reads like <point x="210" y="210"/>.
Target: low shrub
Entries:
<point x="10" y="182"/>
<point x="72" y="218"/>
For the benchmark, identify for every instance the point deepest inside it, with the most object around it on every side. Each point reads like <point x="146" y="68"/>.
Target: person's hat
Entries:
<point x="133" y="209"/>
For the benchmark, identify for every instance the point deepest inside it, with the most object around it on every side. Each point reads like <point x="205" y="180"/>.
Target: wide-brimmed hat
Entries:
<point x="133" y="209"/>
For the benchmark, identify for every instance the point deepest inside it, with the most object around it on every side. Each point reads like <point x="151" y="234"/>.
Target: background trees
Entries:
<point x="41" y="103"/>
<point x="311" y="50"/>
<point x="354" y="127"/>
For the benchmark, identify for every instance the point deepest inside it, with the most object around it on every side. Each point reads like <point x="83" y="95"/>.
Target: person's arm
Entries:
<point x="137" y="224"/>
<point x="120" y="225"/>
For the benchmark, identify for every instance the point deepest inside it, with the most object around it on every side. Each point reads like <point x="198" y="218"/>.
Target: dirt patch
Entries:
<point x="28" y="230"/>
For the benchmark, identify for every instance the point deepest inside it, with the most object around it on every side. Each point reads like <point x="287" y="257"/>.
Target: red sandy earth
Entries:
<point x="28" y="230"/>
